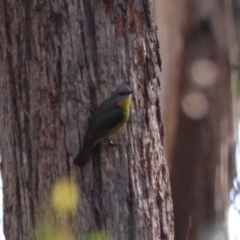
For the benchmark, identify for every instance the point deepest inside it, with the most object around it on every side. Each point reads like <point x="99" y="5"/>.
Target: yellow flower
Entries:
<point x="65" y="195"/>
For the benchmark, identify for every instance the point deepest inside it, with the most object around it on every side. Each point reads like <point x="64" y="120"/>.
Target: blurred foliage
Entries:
<point x="102" y="235"/>
<point x="64" y="201"/>
<point x="48" y="232"/>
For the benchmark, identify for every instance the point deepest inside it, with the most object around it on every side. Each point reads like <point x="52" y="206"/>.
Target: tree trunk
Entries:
<point x="200" y="147"/>
<point x="59" y="60"/>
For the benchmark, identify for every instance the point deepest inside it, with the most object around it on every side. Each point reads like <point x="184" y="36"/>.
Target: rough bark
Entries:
<point x="59" y="60"/>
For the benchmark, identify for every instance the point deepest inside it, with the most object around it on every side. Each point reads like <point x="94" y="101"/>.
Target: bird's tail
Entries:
<point x="83" y="156"/>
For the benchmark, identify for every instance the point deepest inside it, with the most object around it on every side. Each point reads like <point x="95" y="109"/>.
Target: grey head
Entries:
<point x="123" y="91"/>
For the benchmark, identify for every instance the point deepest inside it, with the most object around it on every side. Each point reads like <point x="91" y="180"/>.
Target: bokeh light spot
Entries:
<point x="204" y="72"/>
<point x="195" y="105"/>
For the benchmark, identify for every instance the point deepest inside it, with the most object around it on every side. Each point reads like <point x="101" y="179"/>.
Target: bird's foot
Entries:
<point x="110" y="142"/>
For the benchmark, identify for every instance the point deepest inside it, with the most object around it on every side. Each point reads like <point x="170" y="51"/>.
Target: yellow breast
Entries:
<point x="125" y="106"/>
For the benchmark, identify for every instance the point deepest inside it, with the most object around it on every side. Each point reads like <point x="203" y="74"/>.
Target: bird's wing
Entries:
<point x="104" y="123"/>
<point x="106" y="107"/>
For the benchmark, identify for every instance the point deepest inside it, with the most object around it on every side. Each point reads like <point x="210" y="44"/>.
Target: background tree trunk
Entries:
<point x="203" y="147"/>
<point x="59" y="60"/>
<point x="200" y="150"/>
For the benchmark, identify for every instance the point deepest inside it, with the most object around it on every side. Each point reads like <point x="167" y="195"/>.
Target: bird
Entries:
<point x="108" y="119"/>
